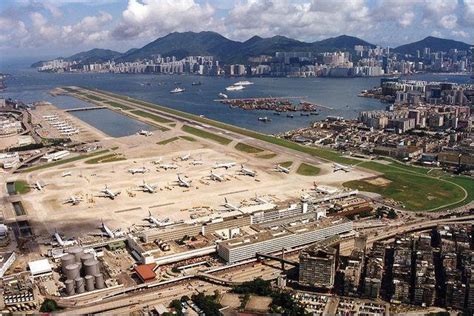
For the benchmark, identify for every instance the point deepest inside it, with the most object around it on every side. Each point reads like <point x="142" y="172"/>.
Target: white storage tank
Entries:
<point x="67" y="260"/>
<point x="91" y="267"/>
<point x="77" y="252"/>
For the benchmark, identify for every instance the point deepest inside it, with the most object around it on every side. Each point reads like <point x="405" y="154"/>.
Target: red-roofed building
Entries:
<point x="146" y="272"/>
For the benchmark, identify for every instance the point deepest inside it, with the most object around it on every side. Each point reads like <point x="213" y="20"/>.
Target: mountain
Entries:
<point x="343" y="42"/>
<point x="96" y="55"/>
<point x="434" y="43"/>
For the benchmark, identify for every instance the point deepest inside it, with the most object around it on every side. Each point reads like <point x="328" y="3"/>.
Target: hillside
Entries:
<point x="434" y="43"/>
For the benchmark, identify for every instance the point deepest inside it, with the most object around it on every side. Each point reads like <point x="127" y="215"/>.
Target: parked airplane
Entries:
<point x="216" y="177"/>
<point x="145" y="133"/>
<point x="108" y="193"/>
<point x="260" y="200"/>
<point x="183" y="182"/>
<point x="38" y="186"/>
<point x="145" y="187"/>
<point x="66" y="174"/>
<point x="280" y="168"/>
<point x="185" y="157"/>
<point x="230" y="206"/>
<point x="138" y="170"/>
<point x="157" y="223"/>
<point x="74" y="200"/>
<point x="157" y="162"/>
<point x="225" y="165"/>
<point x="341" y="167"/>
<point x="61" y="241"/>
<point x="168" y="166"/>
<point x="247" y="171"/>
<point x="107" y="232"/>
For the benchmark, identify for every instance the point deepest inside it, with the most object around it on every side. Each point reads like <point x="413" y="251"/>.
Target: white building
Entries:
<point x="55" y="156"/>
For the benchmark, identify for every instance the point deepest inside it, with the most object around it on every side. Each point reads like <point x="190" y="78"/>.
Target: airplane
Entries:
<point x="247" y="172"/>
<point x="339" y="167"/>
<point x="61" y="241"/>
<point x="216" y="177"/>
<point x="280" y="168"/>
<point x="107" y="232"/>
<point x="226" y="165"/>
<point x="66" y="174"/>
<point x="183" y="182"/>
<point x="137" y="170"/>
<point x="108" y="193"/>
<point x="157" y="162"/>
<point x="168" y="166"/>
<point x="145" y="133"/>
<point x="74" y="200"/>
<point x="185" y="157"/>
<point x="197" y="162"/>
<point x="38" y="186"/>
<point x="145" y="187"/>
<point x="260" y="200"/>
<point x="230" y="206"/>
<point x="157" y="223"/>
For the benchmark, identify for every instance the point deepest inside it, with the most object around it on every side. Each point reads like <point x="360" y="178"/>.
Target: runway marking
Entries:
<point x="128" y="210"/>
<point x="234" y="192"/>
<point x="160" y="205"/>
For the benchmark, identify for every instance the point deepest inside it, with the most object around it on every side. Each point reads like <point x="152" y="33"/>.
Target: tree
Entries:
<point x="392" y="214"/>
<point x="176" y="304"/>
<point x="49" y="306"/>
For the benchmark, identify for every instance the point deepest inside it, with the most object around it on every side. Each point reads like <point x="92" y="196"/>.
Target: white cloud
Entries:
<point x="151" y="18"/>
<point x="448" y="21"/>
<point x="468" y="16"/>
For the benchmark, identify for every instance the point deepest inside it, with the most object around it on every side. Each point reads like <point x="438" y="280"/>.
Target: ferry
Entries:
<point x="243" y="83"/>
<point x="223" y="95"/>
<point x="264" y="119"/>
<point x="177" y="90"/>
<point x="234" y="88"/>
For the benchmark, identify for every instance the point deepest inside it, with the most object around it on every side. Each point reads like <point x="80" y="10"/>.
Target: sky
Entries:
<point x="52" y="28"/>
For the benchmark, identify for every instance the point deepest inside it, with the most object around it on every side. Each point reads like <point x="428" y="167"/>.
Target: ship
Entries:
<point x="243" y="83"/>
<point x="264" y="119"/>
<point x="234" y="88"/>
<point x="177" y="90"/>
<point x="198" y="83"/>
<point x="223" y="95"/>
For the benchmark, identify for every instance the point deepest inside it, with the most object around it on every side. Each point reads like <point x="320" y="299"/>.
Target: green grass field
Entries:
<point x="286" y="164"/>
<point x="63" y="161"/>
<point x="458" y="183"/>
<point x="151" y="116"/>
<point x="21" y="187"/>
<point x="267" y="156"/>
<point x="188" y="138"/>
<point x="248" y="148"/>
<point x="307" y="170"/>
<point x="93" y="97"/>
<point x="203" y="134"/>
<point x="118" y="105"/>
<point x="105" y="158"/>
<point x="167" y="141"/>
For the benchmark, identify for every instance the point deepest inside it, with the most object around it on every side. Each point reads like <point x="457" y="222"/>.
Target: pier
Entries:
<point x="86" y="108"/>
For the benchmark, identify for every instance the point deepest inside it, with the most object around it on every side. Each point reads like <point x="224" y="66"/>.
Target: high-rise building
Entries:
<point x="318" y="266"/>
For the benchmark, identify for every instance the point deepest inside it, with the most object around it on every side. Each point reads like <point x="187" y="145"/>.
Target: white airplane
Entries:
<point x="157" y="223"/>
<point x="225" y="165"/>
<point x="38" y="186"/>
<point x="341" y="167"/>
<point x="138" y="170"/>
<point x="197" y="162"/>
<point x="157" y="162"/>
<point x="108" y="193"/>
<point x="280" y="168"/>
<point x="61" y="241"/>
<point x="168" y="166"/>
<point x="230" y="206"/>
<point x="66" y="174"/>
<point x="247" y="171"/>
<point x="216" y="177"/>
<point x="74" y="200"/>
<point x="260" y="200"/>
<point x="185" y="157"/>
<point x="110" y="233"/>
<point x="183" y="182"/>
<point x="145" y="133"/>
<point x="145" y="187"/>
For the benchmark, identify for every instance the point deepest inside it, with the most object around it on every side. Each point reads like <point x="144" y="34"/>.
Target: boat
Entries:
<point x="314" y="113"/>
<point x="222" y="95"/>
<point x="234" y="88"/>
<point x="290" y="115"/>
<point x="276" y="113"/>
<point x="264" y="119"/>
<point x="304" y="114"/>
<point x="177" y="90"/>
<point x="196" y="83"/>
<point x="243" y="83"/>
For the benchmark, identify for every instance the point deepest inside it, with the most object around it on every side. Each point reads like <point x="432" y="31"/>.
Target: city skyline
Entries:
<point x="62" y="27"/>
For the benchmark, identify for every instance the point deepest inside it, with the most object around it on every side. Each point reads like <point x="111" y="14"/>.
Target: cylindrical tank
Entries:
<point x="91" y="267"/>
<point x="66" y="260"/>
<point x="77" y="252"/>
<point x="72" y="271"/>
<point x="86" y="256"/>
<point x="99" y="281"/>
<point x="69" y="287"/>
<point x="89" y="282"/>
<point x="79" y="285"/>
